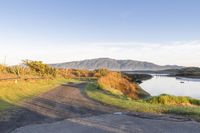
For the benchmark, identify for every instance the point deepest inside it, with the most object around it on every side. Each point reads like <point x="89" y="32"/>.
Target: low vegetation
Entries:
<point x="39" y="68"/>
<point x="30" y="79"/>
<point x="115" y="83"/>
<point x="151" y="105"/>
<point x="12" y="93"/>
<point x="116" y="89"/>
<point x="75" y="73"/>
<point x="11" y="72"/>
<point x="29" y="69"/>
<point x="113" y="88"/>
<point x="18" y="83"/>
<point x="166" y="99"/>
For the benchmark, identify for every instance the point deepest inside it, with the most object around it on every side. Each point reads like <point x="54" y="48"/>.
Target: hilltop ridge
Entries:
<point x="113" y="64"/>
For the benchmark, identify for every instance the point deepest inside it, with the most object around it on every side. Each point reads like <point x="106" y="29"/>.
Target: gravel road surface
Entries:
<point x="110" y="123"/>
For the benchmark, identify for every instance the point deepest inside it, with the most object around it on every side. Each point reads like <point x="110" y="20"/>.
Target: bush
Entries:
<point x="16" y="70"/>
<point x="75" y="73"/>
<point x="101" y="72"/>
<point x="40" y="68"/>
<point x="13" y="70"/>
<point x="115" y="83"/>
<point x="2" y="68"/>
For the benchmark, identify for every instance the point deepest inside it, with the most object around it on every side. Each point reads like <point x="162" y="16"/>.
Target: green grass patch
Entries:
<point x="12" y="93"/>
<point x="173" y="100"/>
<point x="140" y="105"/>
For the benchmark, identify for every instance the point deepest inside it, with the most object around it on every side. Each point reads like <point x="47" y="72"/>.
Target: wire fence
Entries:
<point x="15" y="78"/>
<point x="18" y="78"/>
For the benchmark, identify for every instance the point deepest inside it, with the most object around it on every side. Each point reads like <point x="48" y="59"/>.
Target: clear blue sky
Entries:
<point x="64" y="30"/>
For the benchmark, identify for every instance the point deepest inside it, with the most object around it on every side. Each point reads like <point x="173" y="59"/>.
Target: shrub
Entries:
<point x="75" y="73"/>
<point x="40" y="68"/>
<point x="2" y="68"/>
<point x="115" y="83"/>
<point x="16" y="70"/>
<point x="13" y="70"/>
<point x="101" y="72"/>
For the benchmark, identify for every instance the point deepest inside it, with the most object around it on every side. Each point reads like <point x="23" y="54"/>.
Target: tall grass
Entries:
<point x="173" y="100"/>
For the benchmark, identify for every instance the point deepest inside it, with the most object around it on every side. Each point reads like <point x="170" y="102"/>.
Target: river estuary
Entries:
<point x="162" y="84"/>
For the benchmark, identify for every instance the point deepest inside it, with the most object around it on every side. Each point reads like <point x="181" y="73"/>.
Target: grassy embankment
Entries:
<point x="185" y="106"/>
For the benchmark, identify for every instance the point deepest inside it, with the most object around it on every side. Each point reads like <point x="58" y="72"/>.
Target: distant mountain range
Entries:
<point x="112" y="64"/>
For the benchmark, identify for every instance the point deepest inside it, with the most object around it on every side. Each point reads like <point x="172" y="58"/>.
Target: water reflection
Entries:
<point x="160" y="84"/>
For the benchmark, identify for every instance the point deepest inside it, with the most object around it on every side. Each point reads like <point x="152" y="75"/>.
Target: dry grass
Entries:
<point x="7" y="75"/>
<point x="115" y="83"/>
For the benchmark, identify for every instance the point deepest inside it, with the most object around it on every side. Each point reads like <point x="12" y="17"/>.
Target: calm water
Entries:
<point x="171" y="85"/>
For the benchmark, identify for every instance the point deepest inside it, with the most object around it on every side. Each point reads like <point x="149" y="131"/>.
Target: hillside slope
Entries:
<point x="116" y="84"/>
<point x="112" y="64"/>
<point x="192" y="72"/>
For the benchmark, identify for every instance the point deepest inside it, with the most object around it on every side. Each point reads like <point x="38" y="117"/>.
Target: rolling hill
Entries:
<point x="113" y="64"/>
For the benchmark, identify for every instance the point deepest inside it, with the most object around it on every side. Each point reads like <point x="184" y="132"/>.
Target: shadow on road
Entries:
<point x="60" y="103"/>
<point x="17" y="116"/>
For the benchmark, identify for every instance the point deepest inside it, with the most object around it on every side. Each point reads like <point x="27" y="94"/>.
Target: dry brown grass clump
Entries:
<point x="75" y="73"/>
<point x="115" y="83"/>
<point x="7" y="75"/>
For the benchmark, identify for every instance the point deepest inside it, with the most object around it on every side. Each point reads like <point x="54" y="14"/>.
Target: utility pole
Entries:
<point x="5" y="60"/>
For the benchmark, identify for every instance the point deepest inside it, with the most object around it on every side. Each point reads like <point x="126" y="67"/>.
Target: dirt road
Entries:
<point x="65" y="109"/>
<point x="110" y="123"/>
<point x="66" y="101"/>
